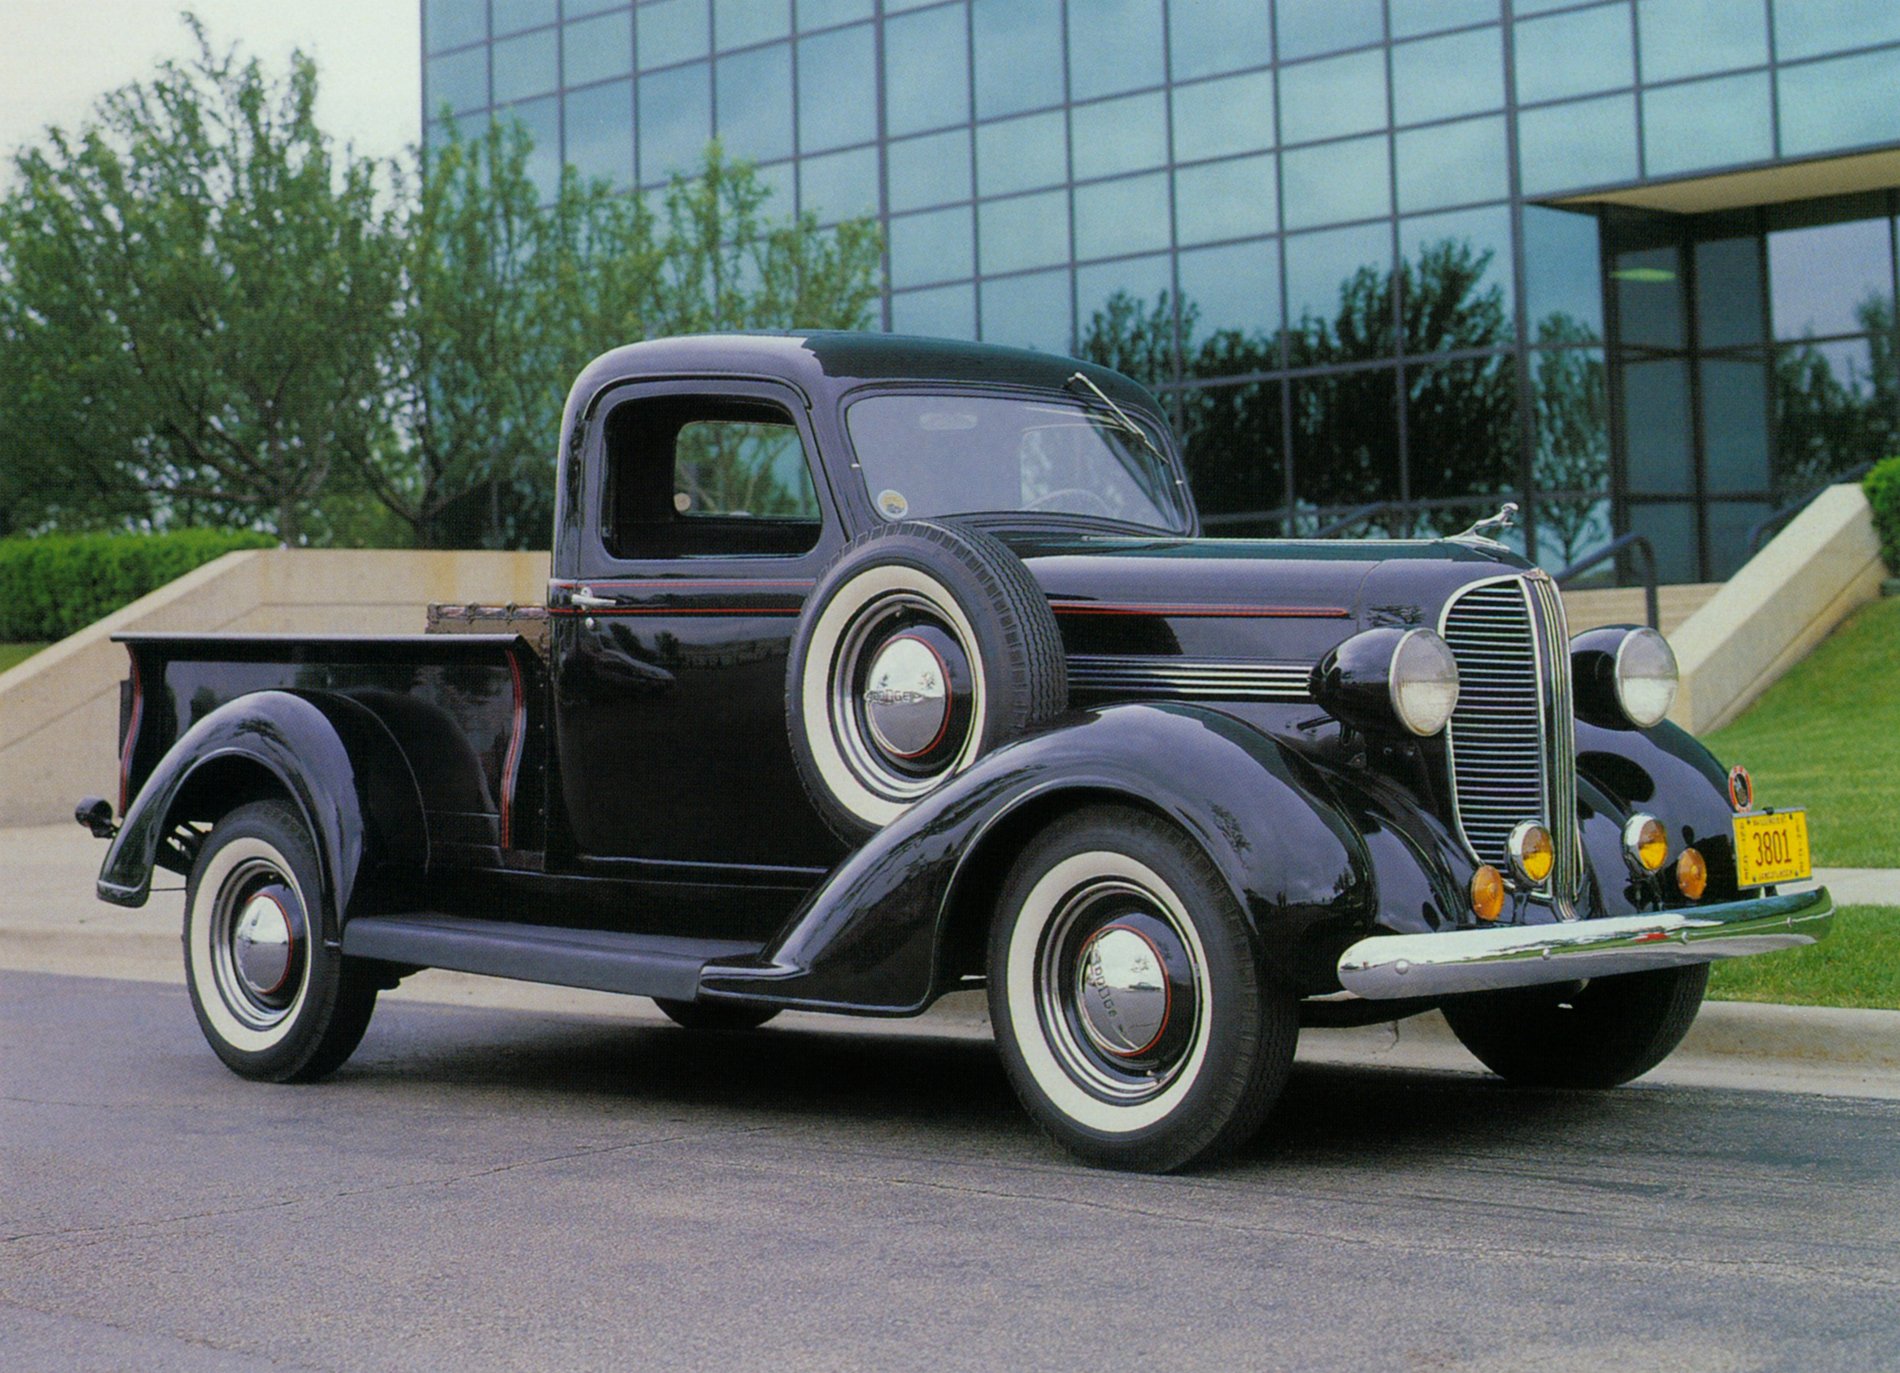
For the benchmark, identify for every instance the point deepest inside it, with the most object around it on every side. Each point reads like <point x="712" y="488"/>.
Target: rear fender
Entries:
<point x="327" y="755"/>
<point x="883" y="932"/>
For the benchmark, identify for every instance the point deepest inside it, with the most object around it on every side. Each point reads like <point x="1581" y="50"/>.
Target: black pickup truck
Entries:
<point x="873" y="668"/>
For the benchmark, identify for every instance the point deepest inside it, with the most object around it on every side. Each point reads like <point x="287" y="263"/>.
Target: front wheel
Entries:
<point x="1602" y="1034"/>
<point x="273" y="1001"/>
<point x="1128" y="1002"/>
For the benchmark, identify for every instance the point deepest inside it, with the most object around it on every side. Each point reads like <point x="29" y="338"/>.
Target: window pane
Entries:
<point x="1234" y="443"/>
<point x="822" y="14"/>
<point x="1649" y="297"/>
<point x="1461" y="437"/>
<point x="451" y="23"/>
<point x="1126" y="216"/>
<point x="1114" y="45"/>
<point x="675" y="120"/>
<point x="1563" y="291"/>
<point x="1689" y="37"/>
<point x="1707" y="124"/>
<point x="1460" y="73"/>
<point x="511" y="16"/>
<point x="1840" y="104"/>
<point x="1018" y="55"/>
<point x="755" y="103"/>
<point x="1807" y="28"/>
<point x="1730" y="524"/>
<point x="1235" y="288"/>
<point x="932" y="170"/>
<point x="1335" y="181"/>
<point x="1022" y="154"/>
<point x="1307" y="29"/>
<point x="459" y="81"/>
<point x="1412" y="17"/>
<point x="1232" y="115"/>
<point x="1569" y="54"/>
<point x="839" y="185"/>
<point x="1830" y="416"/>
<point x="1346" y="438"/>
<point x="596" y="49"/>
<point x="1340" y="95"/>
<point x="1125" y="311"/>
<point x="1590" y="143"/>
<point x="542" y="119"/>
<point x="1028" y="231"/>
<point x="672" y="31"/>
<point x="1735" y="423"/>
<point x="1457" y="290"/>
<point x="1824" y="278"/>
<point x="600" y="132"/>
<point x="734" y="467"/>
<point x="1123" y="135"/>
<point x="526" y="66"/>
<point x="926" y="74"/>
<point x="837" y="89"/>
<point x="946" y="312"/>
<point x="1226" y="199"/>
<point x="1729" y="292"/>
<point x="1453" y="163"/>
<point x="1336" y="270"/>
<point x="1656" y="425"/>
<point x="930" y="247"/>
<point x="1210" y="36"/>
<point x="1572" y="463"/>
<point x="741" y="23"/>
<point x="1028" y="311"/>
<point x="1670" y="529"/>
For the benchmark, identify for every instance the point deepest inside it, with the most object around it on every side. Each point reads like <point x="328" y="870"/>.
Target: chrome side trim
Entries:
<point x="1104" y="674"/>
<point x="1385" y="967"/>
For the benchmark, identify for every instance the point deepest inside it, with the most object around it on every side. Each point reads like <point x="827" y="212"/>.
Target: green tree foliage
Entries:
<point x="1882" y="485"/>
<point x="55" y="584"/>
<point x="194" y="294"/>
<point x="1573" y="439"/>
<point x="1828" y="421"/>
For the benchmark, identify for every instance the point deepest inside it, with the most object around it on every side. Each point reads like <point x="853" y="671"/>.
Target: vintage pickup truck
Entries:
<point x="874" y="668"/>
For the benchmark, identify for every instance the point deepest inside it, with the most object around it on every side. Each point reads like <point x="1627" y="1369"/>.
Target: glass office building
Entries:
<point x="1631" y="264"/>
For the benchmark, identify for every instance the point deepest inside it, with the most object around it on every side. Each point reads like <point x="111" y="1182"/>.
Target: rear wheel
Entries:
<point x="1602" y="1034"/>
<point x="1128" y="1002"/>
<point x="273" y="1001"/>
<point x="714" y="1015"/>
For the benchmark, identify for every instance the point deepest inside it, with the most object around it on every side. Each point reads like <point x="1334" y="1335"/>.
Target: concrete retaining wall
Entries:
<point x="59" y="710"/>
<point x="1784" y="601"/>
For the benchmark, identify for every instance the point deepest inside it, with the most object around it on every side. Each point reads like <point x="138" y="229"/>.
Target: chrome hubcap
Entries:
<point x="907" y="700"/>
<point x="261" y="946"/>
<point x="1122" y="992"/>
<point x="257" y="944"/>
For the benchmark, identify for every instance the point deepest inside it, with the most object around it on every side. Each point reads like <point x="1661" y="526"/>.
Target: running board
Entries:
<point x="659" y="965"/>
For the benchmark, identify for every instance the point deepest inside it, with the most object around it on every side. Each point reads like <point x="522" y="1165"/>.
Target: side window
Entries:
<point x="692" y="476"/>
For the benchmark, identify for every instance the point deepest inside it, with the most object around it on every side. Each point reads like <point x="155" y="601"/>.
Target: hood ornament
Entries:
<point x="1496" y="525"/>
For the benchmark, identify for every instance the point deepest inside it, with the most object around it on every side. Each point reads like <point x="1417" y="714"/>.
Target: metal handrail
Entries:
<point x="1772" y="523"/>
<point x="1642" y="546"/>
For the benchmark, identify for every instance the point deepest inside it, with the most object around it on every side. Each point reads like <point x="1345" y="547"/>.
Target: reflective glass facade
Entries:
<point x="1366" y="250"/>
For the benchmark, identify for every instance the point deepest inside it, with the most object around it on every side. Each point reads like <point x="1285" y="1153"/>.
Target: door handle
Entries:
<point x="585" y="598"/>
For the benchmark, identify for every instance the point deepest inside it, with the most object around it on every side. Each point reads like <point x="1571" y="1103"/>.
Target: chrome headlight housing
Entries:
<point x="1625" y="676"/>
<point x="1390" y="680"/>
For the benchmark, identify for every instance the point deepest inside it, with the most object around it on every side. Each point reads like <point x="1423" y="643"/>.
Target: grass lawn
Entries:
<point x="1827" y="736"/>
<point x="17" y="653"/>
<point x="1859" y="965"/>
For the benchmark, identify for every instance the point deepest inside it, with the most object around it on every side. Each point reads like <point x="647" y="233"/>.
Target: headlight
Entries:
<point x="1424" y="682"/>
<point x="1624" y="676"/>
<point x="1646" y="677"/>
<point x="1389" y="679"/>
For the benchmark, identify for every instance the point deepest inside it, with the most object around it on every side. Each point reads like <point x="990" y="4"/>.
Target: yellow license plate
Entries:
<point x="1772" y="848"/>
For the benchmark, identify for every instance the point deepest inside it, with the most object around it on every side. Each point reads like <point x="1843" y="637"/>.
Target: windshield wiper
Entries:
<point x="1126" y="422"/>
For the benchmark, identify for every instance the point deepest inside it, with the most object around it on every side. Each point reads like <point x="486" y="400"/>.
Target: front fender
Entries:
<point x="872" y="937"/>
<point x="330" y="756"/>
<point x="1668" y="773"/>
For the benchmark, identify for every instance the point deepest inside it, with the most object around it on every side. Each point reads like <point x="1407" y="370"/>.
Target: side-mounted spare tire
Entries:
<point x="924" y="646"/>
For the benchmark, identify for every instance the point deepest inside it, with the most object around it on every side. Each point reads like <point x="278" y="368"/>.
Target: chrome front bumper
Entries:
<point x="1411" y="965"/>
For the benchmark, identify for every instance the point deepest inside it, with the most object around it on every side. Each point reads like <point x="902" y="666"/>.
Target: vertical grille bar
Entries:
<point x="1561" y="747"/>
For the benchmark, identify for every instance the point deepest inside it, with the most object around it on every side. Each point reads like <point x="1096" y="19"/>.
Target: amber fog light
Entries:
<point x="1692" y="874"/>
<point x="1487" y="893"/>
<point x="1531" y="853"/>
<point x="1645" y="844"/>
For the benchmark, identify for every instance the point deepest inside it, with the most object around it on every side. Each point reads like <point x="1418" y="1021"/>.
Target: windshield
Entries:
<point x="966" y="455"/>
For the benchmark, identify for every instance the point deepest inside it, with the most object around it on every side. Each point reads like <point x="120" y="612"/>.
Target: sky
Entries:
<point x="58" y="56"/>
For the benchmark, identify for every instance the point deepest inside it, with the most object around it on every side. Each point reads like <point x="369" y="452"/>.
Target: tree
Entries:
<point x="194" y="293"/>
<point x="1826" y="422"/>
<point x="1573" y="440"/>
<point x="505" y="300"/>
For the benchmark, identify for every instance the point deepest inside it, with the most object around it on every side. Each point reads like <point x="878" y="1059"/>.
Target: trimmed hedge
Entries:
<point x="1883" y="494"/>
<point x="55" y="584"/>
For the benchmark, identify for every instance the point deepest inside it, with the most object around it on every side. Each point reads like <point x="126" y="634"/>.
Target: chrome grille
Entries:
<point x="1560" y="745"/>
<point x="1496" y="736"/>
